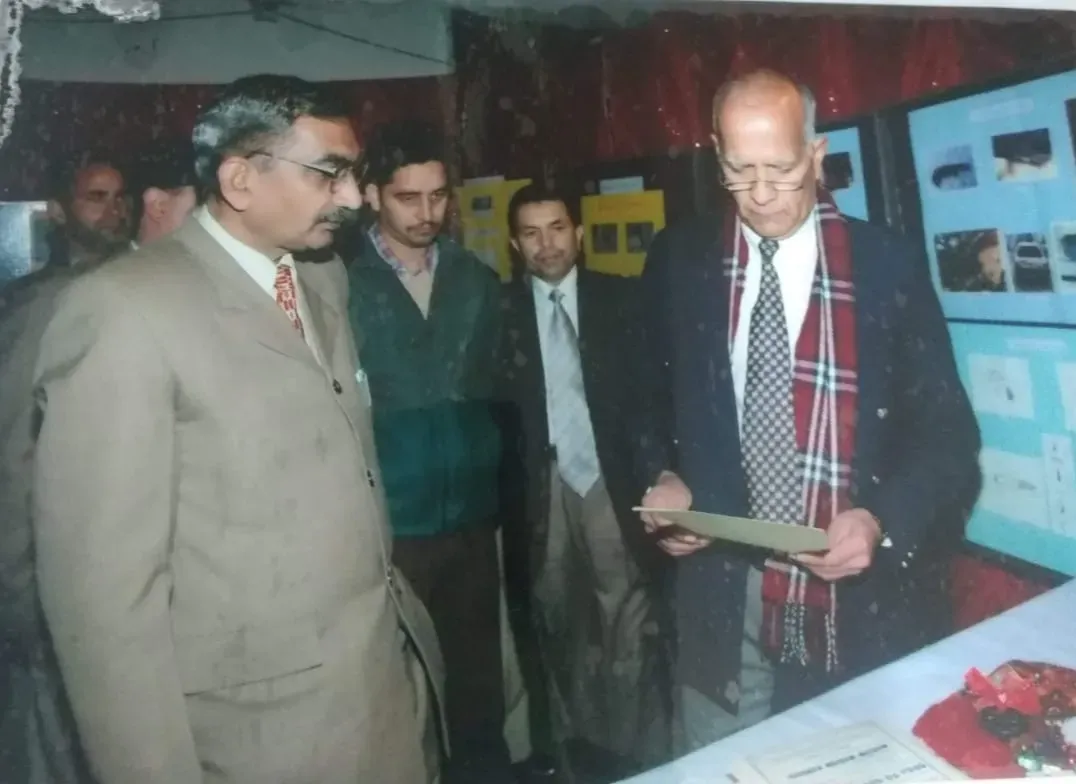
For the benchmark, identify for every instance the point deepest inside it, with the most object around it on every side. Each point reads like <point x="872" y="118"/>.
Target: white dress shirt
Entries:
<point x="795" y="261"/>
<point x="543" y="311"/>
<point x="261" y="269"/>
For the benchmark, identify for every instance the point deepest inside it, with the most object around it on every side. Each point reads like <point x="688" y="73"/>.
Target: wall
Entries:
<point x="212" y="41"/>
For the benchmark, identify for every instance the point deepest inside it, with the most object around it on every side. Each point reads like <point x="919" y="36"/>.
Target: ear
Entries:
<point x="236" y="176"/>
<point x="372" y="196"/>
<point x="821" y="145"/>
<point x="515" y="244"/>
<point x="579" y="234"/>
<point x="56" y="213"/>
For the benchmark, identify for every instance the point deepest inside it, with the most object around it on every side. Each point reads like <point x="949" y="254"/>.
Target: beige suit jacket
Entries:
<point x="37" y="743"/>
<point x="212" y="547"/>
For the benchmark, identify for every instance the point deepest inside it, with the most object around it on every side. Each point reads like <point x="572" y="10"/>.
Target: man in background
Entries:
<point x="213" y="557"/>
<point x="166" y="190"/>
<point x="37" y="736"/>
<point x="567" y="367"/>
<point x="812" y="382"/>
<point x="427" y="311"/>
<point x="90" y="210"/>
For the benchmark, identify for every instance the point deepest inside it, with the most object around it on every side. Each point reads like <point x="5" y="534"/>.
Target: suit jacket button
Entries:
<point x="336" y="387"/>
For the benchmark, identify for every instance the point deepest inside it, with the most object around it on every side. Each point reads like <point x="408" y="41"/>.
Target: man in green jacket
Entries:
<point x="425" y="312"/>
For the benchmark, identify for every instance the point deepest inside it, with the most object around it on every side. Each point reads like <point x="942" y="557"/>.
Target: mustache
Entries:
<point x="556" y="255"/>
<point x="340" y="216"/>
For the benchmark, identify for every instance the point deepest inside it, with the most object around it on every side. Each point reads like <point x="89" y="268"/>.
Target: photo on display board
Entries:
<point x="482" y="205"/>
<point x="1030" y="262"/>
<point x="954" y="169"/>
<point x="604" y="238"/>
<point x="1064" y="262"/>
<point x="838" y="173"/>
<point x="1024" y="156"/>
<point x="639" y="237"/>
<point x="971" y="261"/>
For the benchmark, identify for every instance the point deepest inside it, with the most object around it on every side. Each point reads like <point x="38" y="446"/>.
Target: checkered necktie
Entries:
<point x="284" y="285"/>
<point x="769" y="428"/>
<point x="570" y="429"/>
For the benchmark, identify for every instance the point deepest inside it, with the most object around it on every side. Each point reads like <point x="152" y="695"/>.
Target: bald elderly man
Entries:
<point x="812" y="382"/>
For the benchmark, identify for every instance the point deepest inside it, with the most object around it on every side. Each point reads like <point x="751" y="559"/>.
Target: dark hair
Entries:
<point x="63" y="174"/>
<point x="168" y="166"/>
<point x="985" y="241"/>
<point x="537" y="193"/>
<point x="395" y="145"/>
<point x="252" y="113"/>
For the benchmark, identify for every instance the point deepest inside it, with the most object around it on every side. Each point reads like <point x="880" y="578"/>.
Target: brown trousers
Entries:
<point x="599" y="641"/>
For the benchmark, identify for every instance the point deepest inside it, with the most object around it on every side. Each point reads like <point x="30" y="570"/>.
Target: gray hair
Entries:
<point x="251" y="113"/>
<point x="810" y="105"/>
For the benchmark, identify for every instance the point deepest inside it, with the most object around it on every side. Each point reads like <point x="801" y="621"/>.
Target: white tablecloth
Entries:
<point x="895" y="696"/>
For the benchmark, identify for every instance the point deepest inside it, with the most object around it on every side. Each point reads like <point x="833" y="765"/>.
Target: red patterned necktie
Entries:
<point x="286" y="295"/>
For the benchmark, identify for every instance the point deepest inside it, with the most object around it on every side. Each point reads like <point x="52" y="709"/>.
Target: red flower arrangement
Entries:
<point x="1007" y="724"/>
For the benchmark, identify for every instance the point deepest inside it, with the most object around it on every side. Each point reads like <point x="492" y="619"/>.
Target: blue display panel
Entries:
<point x="997" y="184"/>
<point x="843" y="172"/>
<point x="1022" y="384"/>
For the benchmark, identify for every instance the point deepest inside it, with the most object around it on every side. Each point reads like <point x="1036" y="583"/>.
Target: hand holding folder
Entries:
<point x="779" y="537"/>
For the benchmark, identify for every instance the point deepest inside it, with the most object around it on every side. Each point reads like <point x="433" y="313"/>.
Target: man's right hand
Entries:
<point x="670" y="492"/>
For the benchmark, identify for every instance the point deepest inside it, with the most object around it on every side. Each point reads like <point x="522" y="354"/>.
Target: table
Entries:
<point x="895" y="696"/>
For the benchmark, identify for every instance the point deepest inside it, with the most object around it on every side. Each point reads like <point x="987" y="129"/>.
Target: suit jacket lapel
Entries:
<point x="872" y="354"/>
<point x="527" y="351"/>
<point x="324" y="317"/>
<point x="707" y="318"/>
<point x="588" y="310"/>
<point x="244" y="306"/>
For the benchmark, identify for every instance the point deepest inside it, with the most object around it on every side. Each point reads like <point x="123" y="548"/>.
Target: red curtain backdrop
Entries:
<point x="56" y="119"/>
<point x="528" y="97"/>
<point x="638" y="91"/>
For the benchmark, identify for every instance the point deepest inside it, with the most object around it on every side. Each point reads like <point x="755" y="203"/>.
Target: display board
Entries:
<point x="484" y="214"/>
<point x="24" y="228"/>
<point x="843" y="172"/>
<point x="1022" y="384"/>
<point x="996" y="174"/>
<point x="618" y="229"/>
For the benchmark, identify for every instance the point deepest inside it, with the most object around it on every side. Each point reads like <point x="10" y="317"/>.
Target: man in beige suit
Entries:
<point x="37" y="739"/>
<point x="217" y="584"/>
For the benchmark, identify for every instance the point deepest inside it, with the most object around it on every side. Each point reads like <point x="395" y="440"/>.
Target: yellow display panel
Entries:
<point x="484" y="216"/>
<point x="619" y="228"/>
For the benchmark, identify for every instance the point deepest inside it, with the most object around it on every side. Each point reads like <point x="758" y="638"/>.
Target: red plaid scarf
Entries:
<point x="800" y="610"/>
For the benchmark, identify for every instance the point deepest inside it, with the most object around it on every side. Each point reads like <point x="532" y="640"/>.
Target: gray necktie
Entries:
<point x="774" y="482"/>
<point x="570" y="429"/>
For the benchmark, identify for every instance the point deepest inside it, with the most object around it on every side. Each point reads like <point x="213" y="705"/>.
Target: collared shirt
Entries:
<point x="260" y="268"/>
<point x="543" y="311"/>
<point x="418" y="284"/>
<point x="795" y="262"/>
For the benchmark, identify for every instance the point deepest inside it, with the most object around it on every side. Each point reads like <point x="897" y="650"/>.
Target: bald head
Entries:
<point x="770" y="159"/>
<point x="766" y="88"/>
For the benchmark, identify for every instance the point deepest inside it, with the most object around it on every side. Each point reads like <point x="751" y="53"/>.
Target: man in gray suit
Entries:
<point x="218" y="586"/>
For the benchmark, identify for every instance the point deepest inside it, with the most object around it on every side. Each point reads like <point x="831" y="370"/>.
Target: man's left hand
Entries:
<point x="853" y="537"/>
